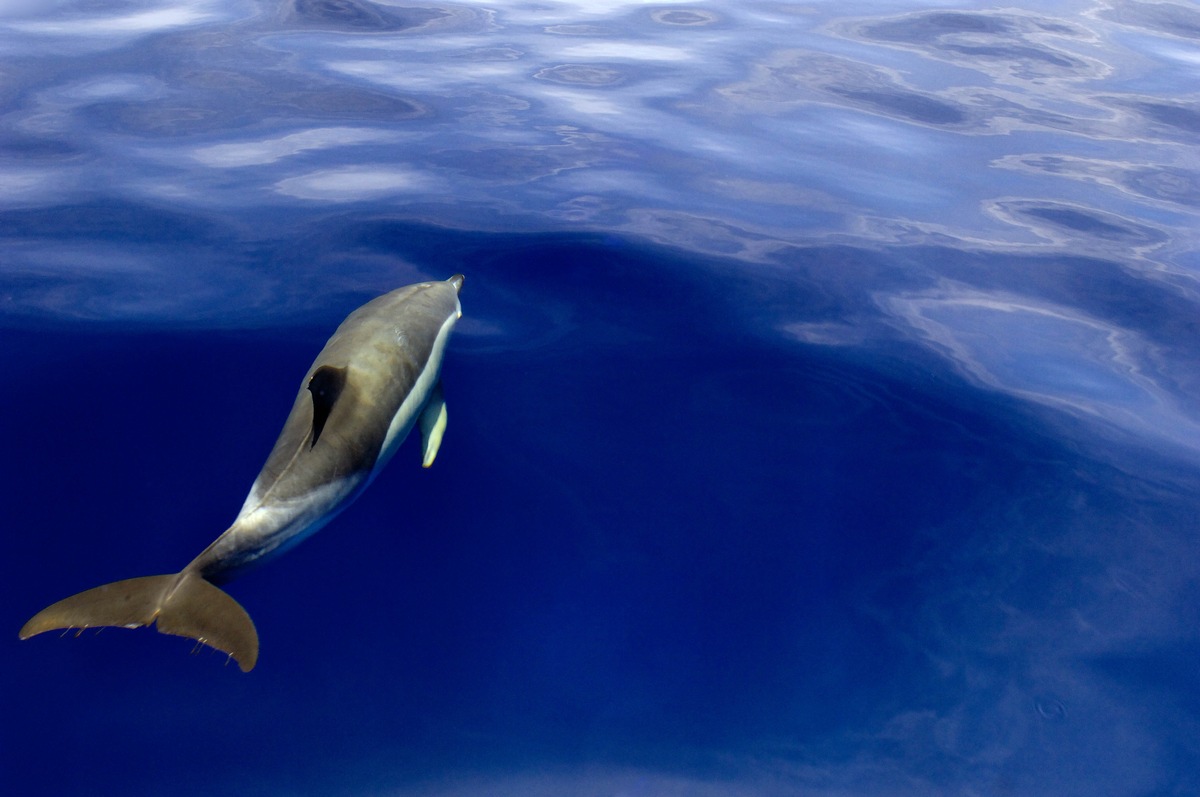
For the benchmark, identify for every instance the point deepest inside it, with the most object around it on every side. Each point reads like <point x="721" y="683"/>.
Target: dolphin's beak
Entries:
<point x="457" y="282"/>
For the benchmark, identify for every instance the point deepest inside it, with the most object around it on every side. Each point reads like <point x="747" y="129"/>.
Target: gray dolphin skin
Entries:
<point x="376" y="378"/>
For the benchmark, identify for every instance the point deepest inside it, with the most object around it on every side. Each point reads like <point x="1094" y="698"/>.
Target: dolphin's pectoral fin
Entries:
<point x="433" y="425"/>
<point x="326" y="385"/>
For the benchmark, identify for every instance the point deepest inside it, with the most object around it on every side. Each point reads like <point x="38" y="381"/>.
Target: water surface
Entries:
<point x="823" y="416"/>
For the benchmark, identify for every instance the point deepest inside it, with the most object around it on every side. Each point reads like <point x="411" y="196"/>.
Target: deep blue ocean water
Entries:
<point x="823" y="419"/>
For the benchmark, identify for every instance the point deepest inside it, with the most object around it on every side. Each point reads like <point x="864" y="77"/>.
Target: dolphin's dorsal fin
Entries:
<point x="326" y="385"/>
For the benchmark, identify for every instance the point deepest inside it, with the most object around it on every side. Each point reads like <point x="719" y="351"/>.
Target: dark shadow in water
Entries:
<point x="357" y="16"/>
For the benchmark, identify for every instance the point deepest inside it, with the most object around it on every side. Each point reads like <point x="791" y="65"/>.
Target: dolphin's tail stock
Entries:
<point x="183" y="604"/>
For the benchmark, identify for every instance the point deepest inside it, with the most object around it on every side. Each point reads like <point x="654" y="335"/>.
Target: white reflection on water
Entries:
<point x="355" y="183"/>
<point x="259" y="152"/>
<point x="138" y="22"/>
<point x="1051" y="355"/>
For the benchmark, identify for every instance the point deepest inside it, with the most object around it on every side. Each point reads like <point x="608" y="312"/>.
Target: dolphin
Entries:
<point x="376" y="378"/>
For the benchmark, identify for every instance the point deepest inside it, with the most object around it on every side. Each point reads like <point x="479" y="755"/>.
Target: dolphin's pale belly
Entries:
<point x="269" y="529"/>
<point x="416" y="400"/>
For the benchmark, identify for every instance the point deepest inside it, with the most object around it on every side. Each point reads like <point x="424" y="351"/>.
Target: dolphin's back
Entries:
<point x="384" y="347"/>
<point x="355" y="405"/>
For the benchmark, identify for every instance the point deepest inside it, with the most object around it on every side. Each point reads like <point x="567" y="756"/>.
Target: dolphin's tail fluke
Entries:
<point x="183" y="604"/>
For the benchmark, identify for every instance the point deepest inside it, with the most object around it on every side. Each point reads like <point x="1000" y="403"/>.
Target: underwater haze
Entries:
<point x="824" y="417"/>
